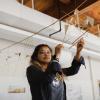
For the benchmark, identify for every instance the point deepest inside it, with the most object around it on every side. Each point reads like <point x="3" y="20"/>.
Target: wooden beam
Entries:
<point x="65" y="1"/>
<point x="29" y="3"/>
<point x="42" y="5"/>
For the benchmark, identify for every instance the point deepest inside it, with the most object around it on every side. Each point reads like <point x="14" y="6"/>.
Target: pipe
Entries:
<point x="59" y="11"/>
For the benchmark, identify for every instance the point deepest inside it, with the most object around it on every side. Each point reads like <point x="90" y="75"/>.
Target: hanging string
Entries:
<point x="43" y="28"/>
<point x="78" y="39"/>
<point x="76" y="13"/>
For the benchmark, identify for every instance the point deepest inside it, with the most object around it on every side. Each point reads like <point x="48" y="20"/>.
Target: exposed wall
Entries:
<point x="13" y="64"/>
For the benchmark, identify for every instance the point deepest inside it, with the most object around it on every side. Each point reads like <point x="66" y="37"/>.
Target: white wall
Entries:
<point x="95" y="69"/>
<point x="13" y="70"/>
<point x="13" y="74"/>
<point x="79" y="86"/>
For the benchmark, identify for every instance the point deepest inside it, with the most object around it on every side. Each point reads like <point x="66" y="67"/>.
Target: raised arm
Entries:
<point x="77" y="61"/>
<point x="75" y="66"/>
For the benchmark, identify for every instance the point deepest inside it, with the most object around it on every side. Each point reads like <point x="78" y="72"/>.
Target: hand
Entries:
<point x="80" y="46"/>
<point x="58" y="49"/>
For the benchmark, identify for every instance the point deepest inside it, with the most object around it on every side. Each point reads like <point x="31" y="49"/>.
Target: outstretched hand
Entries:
<point x="80" y="46"/>
<point x="58" y="49"/>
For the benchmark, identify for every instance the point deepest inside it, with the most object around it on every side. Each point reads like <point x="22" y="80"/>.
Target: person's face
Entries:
<point x="44" y="55"/>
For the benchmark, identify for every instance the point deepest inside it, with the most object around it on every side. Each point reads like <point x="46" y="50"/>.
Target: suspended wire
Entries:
<point x="76" y="40"/>
<point x="78" y="25"/>
<point x="23" y="39"/>
<point x="45" y="28"/>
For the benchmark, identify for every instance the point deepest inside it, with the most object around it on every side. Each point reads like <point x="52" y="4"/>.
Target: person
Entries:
<point x="45" y="75"/>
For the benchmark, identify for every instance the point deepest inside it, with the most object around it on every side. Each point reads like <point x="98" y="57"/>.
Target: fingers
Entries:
<point x="60" y="46"/>
<point x="58" y="49"/>
<point x="81" y="43"/>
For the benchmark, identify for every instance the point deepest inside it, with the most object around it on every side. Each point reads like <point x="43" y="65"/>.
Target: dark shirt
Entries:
<point x="46" y="85"/>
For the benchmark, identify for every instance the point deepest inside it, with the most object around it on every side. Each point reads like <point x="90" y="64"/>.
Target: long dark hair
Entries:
<point x="35" y="53"/>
